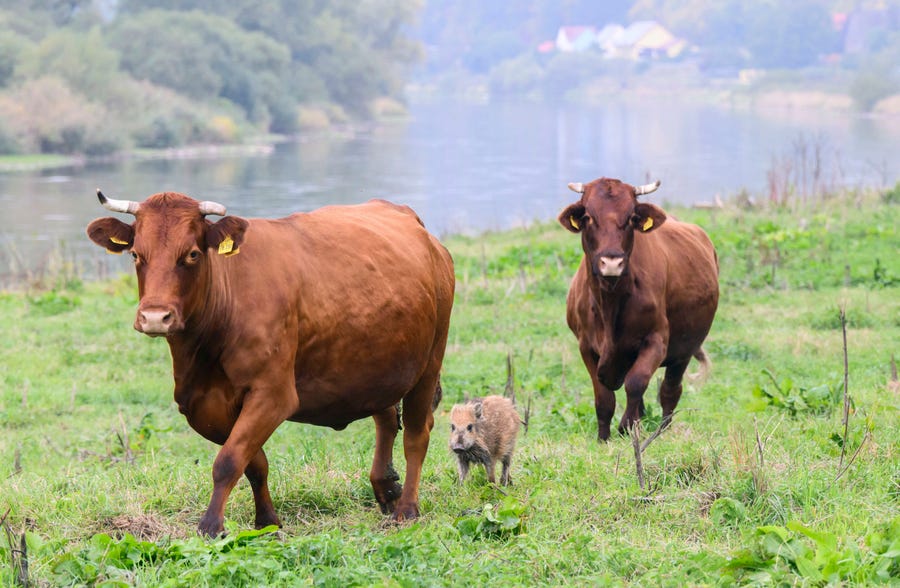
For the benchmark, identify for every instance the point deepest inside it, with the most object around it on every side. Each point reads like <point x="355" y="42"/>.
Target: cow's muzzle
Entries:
<point x="157" y="321"/>
<point x="611" y="266"/>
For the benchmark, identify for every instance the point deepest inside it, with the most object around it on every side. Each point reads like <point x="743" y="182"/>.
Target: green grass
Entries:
<point x="106" y="480"/>
<point x="13" y="163"/>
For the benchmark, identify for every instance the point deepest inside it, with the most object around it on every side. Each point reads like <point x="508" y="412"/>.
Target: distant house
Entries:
<point x="576" y="38"/>
<point x="606" y="38"/>
<point x="647" y="39"/>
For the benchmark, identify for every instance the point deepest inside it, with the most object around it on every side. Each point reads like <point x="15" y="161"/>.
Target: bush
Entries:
<point x="516" y="76"/>
<point x="873" y="82"/>
<point x="565" y="72"/>
<point x="45" y="115"/>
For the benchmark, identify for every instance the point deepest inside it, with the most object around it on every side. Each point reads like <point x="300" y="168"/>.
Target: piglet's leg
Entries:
<point x="462" y="467"/>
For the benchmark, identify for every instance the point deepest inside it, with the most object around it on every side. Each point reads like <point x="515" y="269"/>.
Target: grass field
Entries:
<point x="756" y="482"/>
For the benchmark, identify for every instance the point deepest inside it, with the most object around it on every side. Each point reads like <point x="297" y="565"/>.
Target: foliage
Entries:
<point x="795" y="399"/>
<point x="877" y="78"/>
<point x="203" y="56"/>
<point x="782" y="555"/>
<point x="84" y="60"/>
<point x="47" y="115"/>
<point x="494" y="521"/>
<point x="252" y="62"/>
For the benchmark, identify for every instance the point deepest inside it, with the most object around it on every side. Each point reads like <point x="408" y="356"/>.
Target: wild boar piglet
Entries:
<point x="483" y="430"/>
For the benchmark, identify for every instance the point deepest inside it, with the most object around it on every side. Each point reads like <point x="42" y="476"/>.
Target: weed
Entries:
<point x="786" y="396"/>
<point x="782" y="555"/>
<point x="494" y="521"/>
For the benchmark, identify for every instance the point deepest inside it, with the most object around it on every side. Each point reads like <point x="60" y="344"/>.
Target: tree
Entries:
<point x="205" y="56"/>
<point x="83" y="60"/>
<point x="354" y="50"/>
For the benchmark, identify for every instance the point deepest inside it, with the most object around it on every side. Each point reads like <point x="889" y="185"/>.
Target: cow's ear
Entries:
<point x="572" y="217"/>
<point x="226" y="235"/>
<point x="111" y="234"/>
<point x="647" y="217"/>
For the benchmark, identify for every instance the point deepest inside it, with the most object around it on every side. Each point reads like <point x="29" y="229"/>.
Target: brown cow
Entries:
<point x="324" y="318"/>
<point x="644" y="296"/>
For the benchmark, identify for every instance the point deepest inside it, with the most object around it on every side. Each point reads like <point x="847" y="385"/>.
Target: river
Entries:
<point x="464" y="168"/>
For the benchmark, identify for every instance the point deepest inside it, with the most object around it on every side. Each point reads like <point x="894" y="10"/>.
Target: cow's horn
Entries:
<point x="209" y="207"/>
<point x="576" y="187"/>
<point x="646" y="188"/>
<point x="118" y="205"/>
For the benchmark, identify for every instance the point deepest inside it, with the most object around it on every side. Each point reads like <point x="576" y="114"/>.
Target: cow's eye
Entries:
<point x="469" y="428"/>
<point x="192" y="257"/>
<point x="452" y="427"/>
<point x="134" y="256"/>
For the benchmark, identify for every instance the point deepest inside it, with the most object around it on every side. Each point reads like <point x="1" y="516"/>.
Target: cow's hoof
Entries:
<point x="268" y="521"/>
<point x="403" y="513"/>
<point x="211" y="527"/>
<point x="387" y="496"/>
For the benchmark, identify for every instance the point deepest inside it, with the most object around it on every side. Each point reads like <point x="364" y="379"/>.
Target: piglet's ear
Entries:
<point x="571" y="218"/>
<point x="226" y="235"/>
<point x="478" y="408"/>
<point x="647" y="217"/>
<point x="111" y="234"/>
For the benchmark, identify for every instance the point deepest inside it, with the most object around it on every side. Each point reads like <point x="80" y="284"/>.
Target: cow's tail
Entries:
<point x="705" y="366"/>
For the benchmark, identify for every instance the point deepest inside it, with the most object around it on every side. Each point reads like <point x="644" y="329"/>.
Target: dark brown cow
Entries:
<point x="644" y="296"/>
<point x="324" y="318"/>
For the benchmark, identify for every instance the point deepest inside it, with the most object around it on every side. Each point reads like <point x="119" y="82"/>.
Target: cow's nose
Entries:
<point x="155" y="321"/>
<point x="612" y="266"/>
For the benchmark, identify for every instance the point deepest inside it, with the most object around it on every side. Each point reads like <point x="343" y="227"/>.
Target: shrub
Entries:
<point x="46" y="115"/>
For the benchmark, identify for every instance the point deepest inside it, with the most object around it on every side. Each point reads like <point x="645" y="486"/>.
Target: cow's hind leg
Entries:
<point x="383" y="477"/>
<point x="418" y="421"/>
<point x="670" y="389"/>
<point x="257" y="473"/>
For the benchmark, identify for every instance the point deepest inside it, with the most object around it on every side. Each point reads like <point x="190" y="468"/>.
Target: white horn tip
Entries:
<point x="647" y="188"/>
<point x="209" y="207"/>
<point x="576" y="187"/>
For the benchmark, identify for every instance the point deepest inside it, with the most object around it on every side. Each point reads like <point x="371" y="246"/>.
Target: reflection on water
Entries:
<point x="462" y="167"/>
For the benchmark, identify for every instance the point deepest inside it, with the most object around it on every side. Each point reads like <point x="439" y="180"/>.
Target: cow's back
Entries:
<point x="364" y="291"/>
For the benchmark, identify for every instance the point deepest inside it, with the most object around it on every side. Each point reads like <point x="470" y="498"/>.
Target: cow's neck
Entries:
<point x="203" y="340"/>
<point x="610" y="297"/>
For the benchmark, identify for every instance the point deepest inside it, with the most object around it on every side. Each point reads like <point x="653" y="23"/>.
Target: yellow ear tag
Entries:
<point x="574" y="222"/>
<point x="118" y="241"/>
<point x="111" y="252"/>
<point x="233" y="252"/>
<point x="648" y="224"/>
<point x="226" y="245"/>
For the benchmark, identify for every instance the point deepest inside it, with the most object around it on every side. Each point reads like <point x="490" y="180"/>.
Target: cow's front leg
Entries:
<point x="264" y="408"/>
<point x="651" y="355"/>
<point x="383" y="476"/>
<point x="604" y="397"/>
